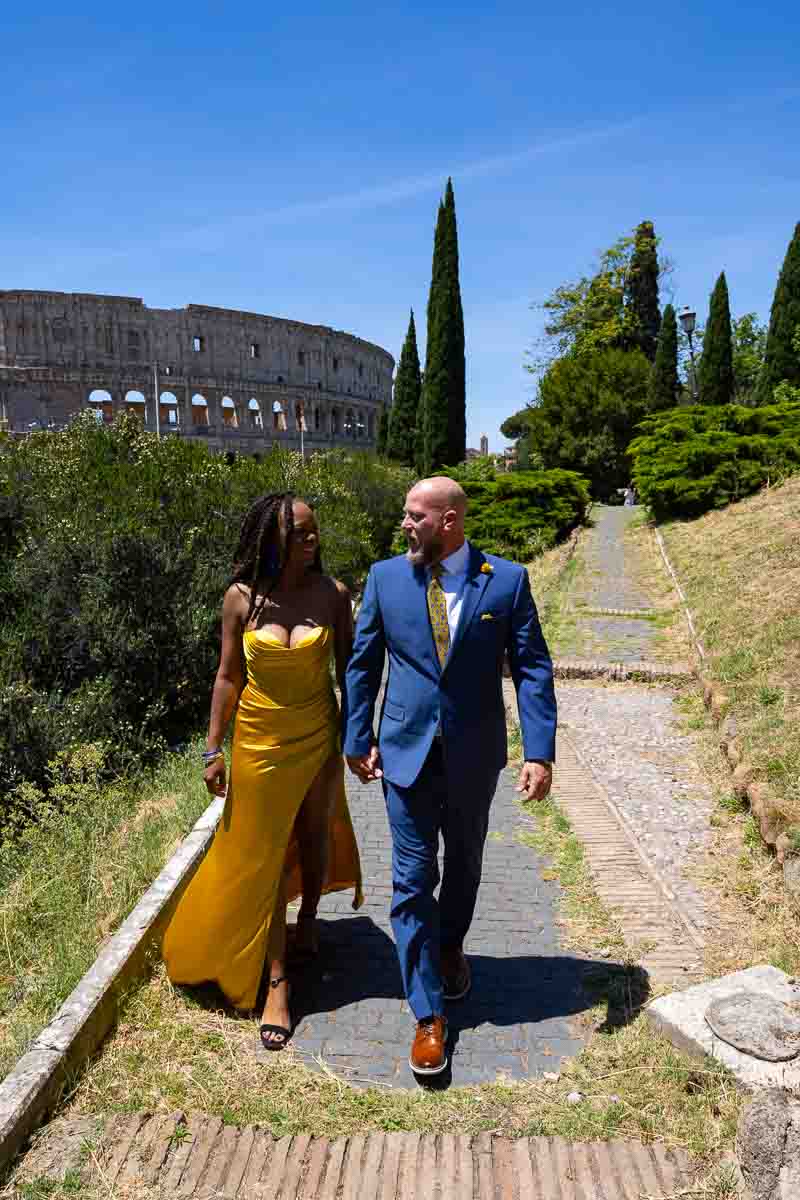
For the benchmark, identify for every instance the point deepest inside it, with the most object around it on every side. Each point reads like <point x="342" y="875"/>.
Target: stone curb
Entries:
<point x="769" y="817"/>
<point x="33" y="1087"/>
<point x="645" y="672"/>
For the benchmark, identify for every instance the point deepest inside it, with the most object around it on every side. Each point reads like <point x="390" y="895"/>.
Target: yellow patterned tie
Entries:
<point x="437" y="610"/>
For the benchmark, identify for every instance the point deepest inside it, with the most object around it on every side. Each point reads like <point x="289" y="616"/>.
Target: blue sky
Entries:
<point x="291" y="162"/>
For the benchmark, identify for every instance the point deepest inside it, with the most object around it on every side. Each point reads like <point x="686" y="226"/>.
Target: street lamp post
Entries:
<point x="688" y="320"/>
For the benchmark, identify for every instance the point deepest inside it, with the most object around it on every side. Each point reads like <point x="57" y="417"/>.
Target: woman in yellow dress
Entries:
<point x="286" y="830"/>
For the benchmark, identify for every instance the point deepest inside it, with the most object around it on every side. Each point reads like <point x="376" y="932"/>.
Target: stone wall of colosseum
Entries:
<point x="238" y="380"/>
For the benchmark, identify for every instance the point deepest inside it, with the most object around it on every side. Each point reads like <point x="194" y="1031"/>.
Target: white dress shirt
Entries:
<point x="452" y="580"/>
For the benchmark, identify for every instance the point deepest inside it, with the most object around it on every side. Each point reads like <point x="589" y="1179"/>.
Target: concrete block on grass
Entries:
<point x="681" y="1017"/>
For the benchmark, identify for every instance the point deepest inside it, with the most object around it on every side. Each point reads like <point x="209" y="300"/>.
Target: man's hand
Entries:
<point x="366" y="766"/>
<point x="535" y="780"/>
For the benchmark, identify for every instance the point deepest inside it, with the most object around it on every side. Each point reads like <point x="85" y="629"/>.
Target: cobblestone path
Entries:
<point x="608" y="581"/>
<point x="629" y="736"/>
<point x="516" y="1021"/>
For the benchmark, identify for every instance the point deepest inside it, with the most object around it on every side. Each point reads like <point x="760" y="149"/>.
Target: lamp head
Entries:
<point x="687" y="319"/>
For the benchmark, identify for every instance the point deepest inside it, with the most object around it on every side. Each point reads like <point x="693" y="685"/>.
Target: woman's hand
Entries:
<point x="215" y="777"/>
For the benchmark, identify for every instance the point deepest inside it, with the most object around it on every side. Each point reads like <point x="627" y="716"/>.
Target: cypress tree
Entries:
<point x="407" y="386"/>
<point x="662" y="389"/>
<point x="641" y="292"/>
<point x="420" y="462"/>
<point x="781" y="361"/>
<point x="383" y="432"/>
<point x="715" y="374"/>
<point x="444" y="392"/>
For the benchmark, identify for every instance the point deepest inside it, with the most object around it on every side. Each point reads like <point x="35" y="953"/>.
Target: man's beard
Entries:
<point x="423" y="556"/>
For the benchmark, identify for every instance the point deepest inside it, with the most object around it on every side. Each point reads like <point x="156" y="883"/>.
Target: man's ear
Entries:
<point x="449" y="518"/>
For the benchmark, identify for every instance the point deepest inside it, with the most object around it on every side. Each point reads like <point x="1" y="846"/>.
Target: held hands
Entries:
<point x="366" y="766"/>
<point x="215" y="778"/>
<point x="535" y="780"/>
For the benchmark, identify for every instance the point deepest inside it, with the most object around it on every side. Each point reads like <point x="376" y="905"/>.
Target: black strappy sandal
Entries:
<point x="282" y="1034"/>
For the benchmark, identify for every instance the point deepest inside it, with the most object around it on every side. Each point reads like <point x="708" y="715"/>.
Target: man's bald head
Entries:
<point x="434" y="519"/>
<point x="442" y="492"/>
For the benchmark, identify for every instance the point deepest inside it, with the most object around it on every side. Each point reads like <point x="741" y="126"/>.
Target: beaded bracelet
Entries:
<point x="210" y="756"/>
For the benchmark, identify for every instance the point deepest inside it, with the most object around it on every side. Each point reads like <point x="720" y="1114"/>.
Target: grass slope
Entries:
<point x="69" y="879"/>
<point x="740" y="568"/>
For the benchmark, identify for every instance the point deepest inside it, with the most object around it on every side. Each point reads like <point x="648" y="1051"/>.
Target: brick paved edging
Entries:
<point x="32" y="1088"/>
<point x="196" y="1156"/>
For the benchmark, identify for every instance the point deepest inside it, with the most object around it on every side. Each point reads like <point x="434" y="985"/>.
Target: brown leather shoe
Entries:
<point x="429" y="1053"/>
<point x="456" y="975"/>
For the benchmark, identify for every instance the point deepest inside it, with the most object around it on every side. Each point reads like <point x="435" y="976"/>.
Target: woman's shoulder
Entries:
<point x="237" y="598"/>
<point x="338" y="591"/>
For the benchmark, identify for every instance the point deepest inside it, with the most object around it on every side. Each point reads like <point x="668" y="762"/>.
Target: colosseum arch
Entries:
<point x="168" y="411"/>
<point x="254" y="411"/>
<point x="101" y="404"/>
<point x="230" y="414"/>
<point x="199" y="409"/>
<point x="135" y="403"/>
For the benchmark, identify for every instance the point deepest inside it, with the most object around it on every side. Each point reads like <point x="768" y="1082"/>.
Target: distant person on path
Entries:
<point x="629" y="496"/>
<point x="286" y="829"/>
<point x="446" y="614"/>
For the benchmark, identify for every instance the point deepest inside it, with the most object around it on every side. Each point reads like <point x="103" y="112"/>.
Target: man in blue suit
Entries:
<point x="446" y="614"/>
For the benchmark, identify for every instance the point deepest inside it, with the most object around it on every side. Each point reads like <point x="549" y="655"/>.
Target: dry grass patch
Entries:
<point x="171" y="1053"/>
<point x="751" y="918"/>
<point x="740" y="568"/>
<point x="672" y="642"/>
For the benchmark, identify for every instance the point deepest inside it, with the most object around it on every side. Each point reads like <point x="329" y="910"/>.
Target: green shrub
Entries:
<point x="521" y="514"/>
<point x="693" y="459"/>
<point x="74" y="860"/>
<point x="114" y="556"/>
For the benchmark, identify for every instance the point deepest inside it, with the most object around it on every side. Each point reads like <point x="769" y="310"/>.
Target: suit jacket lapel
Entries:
<point x="474" y="587"/>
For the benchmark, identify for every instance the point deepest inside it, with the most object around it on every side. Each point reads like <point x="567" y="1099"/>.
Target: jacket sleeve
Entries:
<point x="364" y="672"/>
<point x="532" y="672"/>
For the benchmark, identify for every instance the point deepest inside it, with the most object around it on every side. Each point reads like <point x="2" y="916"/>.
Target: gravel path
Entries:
<point x="629" y="738"/>
<point x="609" y="578"/>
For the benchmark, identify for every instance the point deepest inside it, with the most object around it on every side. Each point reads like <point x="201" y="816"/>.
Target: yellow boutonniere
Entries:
<point x="487" y="569"/>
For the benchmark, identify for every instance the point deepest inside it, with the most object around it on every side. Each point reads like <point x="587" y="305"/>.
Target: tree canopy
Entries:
<point x="444" y="402"/>
<point x="781" y="362"/>
<point x="400" y="444"/>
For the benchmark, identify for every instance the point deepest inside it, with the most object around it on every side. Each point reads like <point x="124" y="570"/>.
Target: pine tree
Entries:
<point x="407" y="386"/>
<point x="384" y="424"/>
<point x="715" y="374"/>
<point x="662" y="389"/>
<point x="444" y="392"/>
<point x="781" y="361"/>
<point x="641" y="292"/>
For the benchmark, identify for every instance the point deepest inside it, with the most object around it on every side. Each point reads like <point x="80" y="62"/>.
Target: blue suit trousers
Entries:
<point x="422" y="924"/>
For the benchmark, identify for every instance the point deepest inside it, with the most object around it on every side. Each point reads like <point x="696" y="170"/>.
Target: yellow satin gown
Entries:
<point x="287" y="725"/>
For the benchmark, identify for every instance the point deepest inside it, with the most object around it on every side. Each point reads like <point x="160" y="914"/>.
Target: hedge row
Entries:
<point x="115" y="550"/>
<point x="689" y="460"/>
<point x="520" y="515"/>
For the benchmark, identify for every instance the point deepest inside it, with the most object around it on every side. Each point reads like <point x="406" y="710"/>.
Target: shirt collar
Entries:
<point x="457" y="562"/>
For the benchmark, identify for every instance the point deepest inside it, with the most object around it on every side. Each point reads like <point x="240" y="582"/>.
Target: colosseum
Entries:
<point x="240" y="381"/>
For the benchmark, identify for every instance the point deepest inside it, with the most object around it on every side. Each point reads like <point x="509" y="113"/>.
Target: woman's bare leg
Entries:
<point x="312" y="826"/>
<point x="276" y="1009"/>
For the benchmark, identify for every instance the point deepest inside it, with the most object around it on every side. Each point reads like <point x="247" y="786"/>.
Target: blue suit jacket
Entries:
<point x="465" y="696"/>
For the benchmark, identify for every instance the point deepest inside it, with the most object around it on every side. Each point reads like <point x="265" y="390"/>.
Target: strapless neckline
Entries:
<point x="270" y="640"/>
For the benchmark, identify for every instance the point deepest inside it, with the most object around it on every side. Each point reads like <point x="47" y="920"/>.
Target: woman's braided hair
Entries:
<point x="264" y="545"/>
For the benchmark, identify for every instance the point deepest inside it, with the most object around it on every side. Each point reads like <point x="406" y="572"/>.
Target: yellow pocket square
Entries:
<point x="487" y="616"/>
